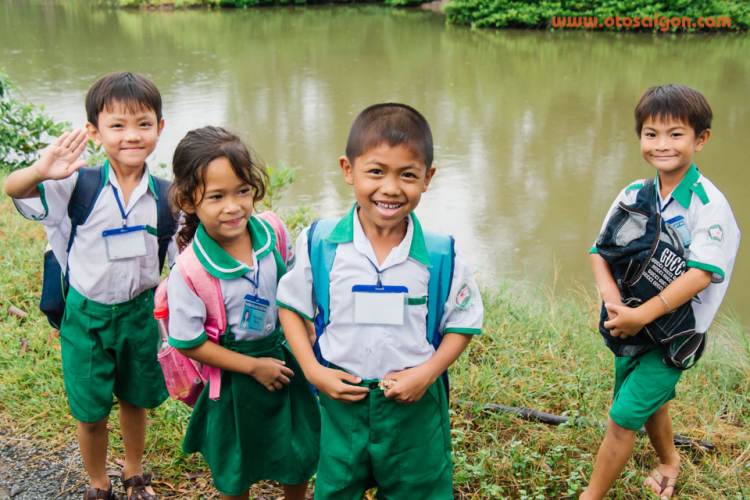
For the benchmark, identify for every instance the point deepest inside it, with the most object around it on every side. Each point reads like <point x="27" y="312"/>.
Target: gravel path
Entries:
<point x="31" y="471"/>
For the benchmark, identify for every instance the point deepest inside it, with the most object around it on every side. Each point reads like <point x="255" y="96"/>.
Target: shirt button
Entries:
<point x="368" y="350"/>
<point x="123" y="275"/>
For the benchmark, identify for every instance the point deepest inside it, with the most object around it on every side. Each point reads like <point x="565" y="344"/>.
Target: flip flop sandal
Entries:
<point x="663" y="481"/>
<point x="138" y="483"/>
<point x="97" y="494"/>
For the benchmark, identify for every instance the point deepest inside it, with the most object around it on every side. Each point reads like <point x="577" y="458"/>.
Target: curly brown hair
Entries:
<point x="191" y="159"/>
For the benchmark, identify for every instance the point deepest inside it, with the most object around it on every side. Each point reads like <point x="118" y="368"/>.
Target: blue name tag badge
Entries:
<point x="375" y="305"/>
<point x="126" y="242"/>
<point x="679" y="224"/>
<point x="254" y="314"/>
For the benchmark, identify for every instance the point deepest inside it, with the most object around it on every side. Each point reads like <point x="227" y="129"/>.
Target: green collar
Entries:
<point x="151" y="184"/>
<point x="344" y="233"/>
<point x="219" y="263"/>
<point x="689" y="184"/>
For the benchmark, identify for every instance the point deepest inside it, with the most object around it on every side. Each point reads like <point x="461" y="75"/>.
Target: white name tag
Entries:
<point x="126" y="242"/>
<point x="379" y="305"/>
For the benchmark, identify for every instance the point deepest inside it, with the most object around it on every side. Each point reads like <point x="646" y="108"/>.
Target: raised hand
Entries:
<point x="271" y="373"/>
<point x="60" y="159"/>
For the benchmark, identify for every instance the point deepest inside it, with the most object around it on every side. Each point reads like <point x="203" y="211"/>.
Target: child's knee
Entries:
<point x="619" y="432"/>
<point x="93" y="427"/>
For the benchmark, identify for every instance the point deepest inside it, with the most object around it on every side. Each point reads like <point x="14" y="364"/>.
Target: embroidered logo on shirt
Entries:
<point x="716" y="232"/>
<point x="466" y="297"/>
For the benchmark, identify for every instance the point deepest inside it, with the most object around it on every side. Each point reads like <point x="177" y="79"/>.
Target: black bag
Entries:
<point x="645" y="255"/>
<point x="88" y="185"/>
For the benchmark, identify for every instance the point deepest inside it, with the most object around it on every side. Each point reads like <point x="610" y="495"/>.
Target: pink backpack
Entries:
<point x="180" y="370"/>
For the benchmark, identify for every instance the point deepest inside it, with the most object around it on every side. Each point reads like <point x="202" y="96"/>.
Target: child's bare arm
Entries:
<point x="270" y="372"/>
<point x="625" y="321"/>
<point x="332" y="383"/>
<point x="604" y="279"/>
<point x="58" y="161"/>
<point x="411" y="384"/>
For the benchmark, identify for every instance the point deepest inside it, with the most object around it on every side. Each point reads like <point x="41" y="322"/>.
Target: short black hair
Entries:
<point x="674" y="102"/>
<point x="394" y="124"/>
<point x="131" y="90"/>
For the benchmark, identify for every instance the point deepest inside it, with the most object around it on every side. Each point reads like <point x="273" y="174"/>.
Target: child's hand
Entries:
<point x="410" y="384"/>
<point x="271" y="373"/>
<point x="623" y="321"/>
<point x="60" y="159"/>
<point x="337" y="384"/>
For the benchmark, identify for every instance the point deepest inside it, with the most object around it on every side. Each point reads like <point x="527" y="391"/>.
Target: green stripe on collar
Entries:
<point x="344" y="230"/>
<point x="418" y="248"/>
<point x="264" y="239"/>
<point x="344" y="233"/>
<point x="151" y="183"/>
<point x="214" y="259"/>
<point x="689" y="184"/>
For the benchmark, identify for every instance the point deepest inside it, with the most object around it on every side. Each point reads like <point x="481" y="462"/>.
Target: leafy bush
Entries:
<point x="539" y="14"/>
<point x="24" y="128"/>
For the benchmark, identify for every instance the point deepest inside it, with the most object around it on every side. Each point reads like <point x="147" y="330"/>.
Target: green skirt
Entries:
<point x="251" y="434"/>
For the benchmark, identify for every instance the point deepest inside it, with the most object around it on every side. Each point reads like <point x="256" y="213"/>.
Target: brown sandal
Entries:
<point x="663" y="481"/>
<point x="139" y="491"/>
<point x="97" y="494"/>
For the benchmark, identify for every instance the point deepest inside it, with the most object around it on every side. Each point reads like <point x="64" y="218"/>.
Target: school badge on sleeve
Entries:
<point x="466" y="298"/>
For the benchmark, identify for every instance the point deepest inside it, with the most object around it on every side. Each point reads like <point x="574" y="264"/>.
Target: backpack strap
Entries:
<point x="442" y="254"/>
<point x="278" y="236"/>
<point x="166" y="224"/>
<point x="441" y="251"/>
<point x="88" y="185"/>
<point x="208" y="289"/>
<point x="282" y="241"/>
<point x="321" y="253"/>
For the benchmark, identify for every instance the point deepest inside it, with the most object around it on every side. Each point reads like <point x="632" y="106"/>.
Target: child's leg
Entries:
<point x="659" y="428"/>
<point x="610" y="461"/>
<point x="295" y="491"/>
<point x="92" y="441"/>
<point x="133" y="425"/>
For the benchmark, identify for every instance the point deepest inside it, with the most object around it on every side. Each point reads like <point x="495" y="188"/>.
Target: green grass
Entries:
<point x="539" y="349"/>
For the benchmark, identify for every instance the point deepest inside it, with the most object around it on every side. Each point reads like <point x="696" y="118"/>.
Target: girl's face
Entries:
<point x="226" y="202"/>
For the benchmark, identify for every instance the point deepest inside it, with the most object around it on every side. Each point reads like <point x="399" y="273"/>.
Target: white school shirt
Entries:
<point x="187" y="312"/>
<point x="92" y="274"/>
<point x="373" y="351"/>
<point x="714" y="234"/>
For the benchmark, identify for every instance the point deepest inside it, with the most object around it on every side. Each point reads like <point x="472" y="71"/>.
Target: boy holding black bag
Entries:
<point x="662" y="264"/>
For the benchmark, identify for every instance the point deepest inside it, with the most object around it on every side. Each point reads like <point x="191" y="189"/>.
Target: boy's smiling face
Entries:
<point x="128" y="138"/>
<point x="669" y="145"/>
<point x="388" y="184"/>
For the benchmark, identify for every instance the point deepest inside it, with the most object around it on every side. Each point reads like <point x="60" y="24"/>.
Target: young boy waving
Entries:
<point x="108" y="334"/>
<point x="673" y="123"/>
<point x="395" y="307"/>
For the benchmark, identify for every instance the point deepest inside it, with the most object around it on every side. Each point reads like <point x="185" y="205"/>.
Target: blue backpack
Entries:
<point x="440" y="249"/>
<point x="88" y="185"/>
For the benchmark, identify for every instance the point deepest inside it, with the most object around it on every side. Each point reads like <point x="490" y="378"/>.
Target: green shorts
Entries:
<point x="642" y="385"/>
<point x="404" y="450"/>
<point x="110" y="349"/>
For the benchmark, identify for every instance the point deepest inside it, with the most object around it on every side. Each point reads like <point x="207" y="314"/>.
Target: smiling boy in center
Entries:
<point x="394" y="306"/>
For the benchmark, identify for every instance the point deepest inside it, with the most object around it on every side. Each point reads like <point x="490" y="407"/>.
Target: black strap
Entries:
<point x="89" y="184"/>
<point x="166" y="224"/>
